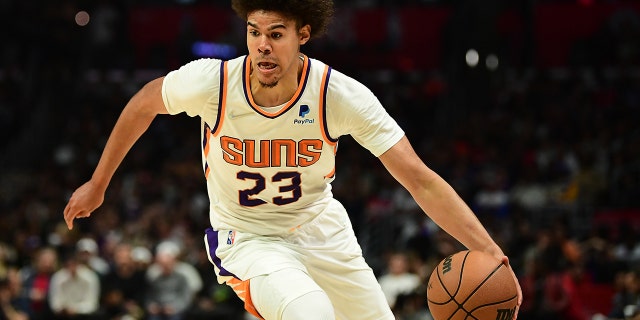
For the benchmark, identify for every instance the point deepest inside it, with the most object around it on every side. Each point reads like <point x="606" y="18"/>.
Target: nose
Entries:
<point x="264" y="46"/>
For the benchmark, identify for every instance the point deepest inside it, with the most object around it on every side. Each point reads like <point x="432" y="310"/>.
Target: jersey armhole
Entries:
<point x="324" y="86"/>
<point x="222" y="99"/>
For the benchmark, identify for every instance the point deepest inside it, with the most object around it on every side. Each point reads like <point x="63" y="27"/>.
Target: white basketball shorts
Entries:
<point x="325" y="248"/>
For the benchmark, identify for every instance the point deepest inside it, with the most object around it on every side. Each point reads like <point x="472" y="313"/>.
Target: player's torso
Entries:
<point x="262" y="165"/>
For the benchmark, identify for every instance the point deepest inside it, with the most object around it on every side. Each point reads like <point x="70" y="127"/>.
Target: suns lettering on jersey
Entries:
<point x="287" y="146"/>
<point x="232" y="150"/>
<point x="263" y="159"/>
<point x="271" y="153"/>
<point x="309" y="151"/>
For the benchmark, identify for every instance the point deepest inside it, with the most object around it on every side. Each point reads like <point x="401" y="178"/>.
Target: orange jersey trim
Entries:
<point x="247" y="89"/>
<point x="242" y="290"/>
<point x="207" y="140"/>
<point x="331" y="174"/>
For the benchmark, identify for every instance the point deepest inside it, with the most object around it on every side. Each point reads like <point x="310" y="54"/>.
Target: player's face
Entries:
<point x="274" y="44"/>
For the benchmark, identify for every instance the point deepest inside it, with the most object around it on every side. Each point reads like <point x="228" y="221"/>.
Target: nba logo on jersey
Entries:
<point x="231" y="237"/>
<point x="304" y="109"/>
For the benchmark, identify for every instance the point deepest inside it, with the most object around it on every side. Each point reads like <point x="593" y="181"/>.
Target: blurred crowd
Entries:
<point x="549" y="159"/>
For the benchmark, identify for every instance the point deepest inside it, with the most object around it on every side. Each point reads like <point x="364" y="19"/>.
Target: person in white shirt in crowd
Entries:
<point x="74" y="292"/>
<point x="398" y="279"/>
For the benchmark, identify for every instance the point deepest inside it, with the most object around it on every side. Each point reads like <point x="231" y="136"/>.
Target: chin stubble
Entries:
<point x="268" y="85"/>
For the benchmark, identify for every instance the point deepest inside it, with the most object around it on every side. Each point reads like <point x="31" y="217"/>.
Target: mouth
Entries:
<point x="266" y="66"/>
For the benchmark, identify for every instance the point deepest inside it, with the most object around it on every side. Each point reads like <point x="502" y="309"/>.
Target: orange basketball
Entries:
<point x="471" y="285"/>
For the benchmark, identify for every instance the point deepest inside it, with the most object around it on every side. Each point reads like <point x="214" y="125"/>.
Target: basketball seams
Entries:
<point x="443" y="287"/>
<point x="461" y="304"/>
<point x="452" y="297"/>
<point x="442" y="283"/>
<point x="493" y="303"/>
<point x="464" y="260"/>
<point x="481" y="283"/>
<point x="439" y="303"/>
<point x="482" y="275"/>
<point x="459" y="280"/>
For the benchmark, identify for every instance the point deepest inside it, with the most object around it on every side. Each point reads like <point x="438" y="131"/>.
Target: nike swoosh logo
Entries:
<point x="239" y="115"/>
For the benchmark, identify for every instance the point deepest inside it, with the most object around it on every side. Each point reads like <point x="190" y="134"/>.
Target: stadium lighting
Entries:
<point x="472" y="57"/>
<point x="82" y="18"/>
<point x="492" y="62"/>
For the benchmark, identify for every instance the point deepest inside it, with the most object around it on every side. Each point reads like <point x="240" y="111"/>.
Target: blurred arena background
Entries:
<point x="530" y="109"/>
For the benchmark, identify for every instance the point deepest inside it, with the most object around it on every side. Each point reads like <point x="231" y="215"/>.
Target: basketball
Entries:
<point x="471" y="285"/>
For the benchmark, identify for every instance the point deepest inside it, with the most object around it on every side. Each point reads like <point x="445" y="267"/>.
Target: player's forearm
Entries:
<point x="128" y="129"/>
<point x="132" y="123"/>
<point x="437" y="198"/>
<point x="451" y="213"/>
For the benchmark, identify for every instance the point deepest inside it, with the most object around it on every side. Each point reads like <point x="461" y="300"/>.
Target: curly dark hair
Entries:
<point x="316" y="13"/>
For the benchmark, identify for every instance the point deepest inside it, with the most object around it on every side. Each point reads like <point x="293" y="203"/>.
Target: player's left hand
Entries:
<point x="83" y="201"/>
<point x="505" y="261"/>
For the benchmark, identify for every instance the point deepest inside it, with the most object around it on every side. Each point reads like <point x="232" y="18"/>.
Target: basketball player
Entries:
<point x="270" y="127"/>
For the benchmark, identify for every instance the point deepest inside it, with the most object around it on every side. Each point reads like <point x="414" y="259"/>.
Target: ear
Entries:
<point x="304" y="34"/>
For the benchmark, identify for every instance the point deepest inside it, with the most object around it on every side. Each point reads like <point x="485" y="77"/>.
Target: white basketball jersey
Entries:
<point x="270" y="171"/>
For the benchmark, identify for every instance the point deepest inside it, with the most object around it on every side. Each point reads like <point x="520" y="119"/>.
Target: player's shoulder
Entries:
<point x="341" y="85"/>
<point x="336" y="76"/>
<point x="192" y="84"/>
<point x="237" y="61"/>
<point x="318" y="65"/>
<point x="202" y="67"/>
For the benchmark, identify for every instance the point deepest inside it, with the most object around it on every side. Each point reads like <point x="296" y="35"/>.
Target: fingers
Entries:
<point x="515" y="314"/>
<point x="80" y="214"/>
<point x="505" y="261"/>
<point x="68" y="218"/>
<point x="82" y="202"/>
<point x="71" y="213"/>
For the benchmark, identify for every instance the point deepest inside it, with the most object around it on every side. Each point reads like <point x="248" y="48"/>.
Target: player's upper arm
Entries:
<point x="149" y="98"/>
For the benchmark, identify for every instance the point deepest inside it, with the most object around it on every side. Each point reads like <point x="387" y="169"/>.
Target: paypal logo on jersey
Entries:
<point x="304" y="109"/>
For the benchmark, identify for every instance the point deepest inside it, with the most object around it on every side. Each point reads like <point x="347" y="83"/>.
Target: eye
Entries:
<point x="254" y="33"/>
<point x="276" y="35"/>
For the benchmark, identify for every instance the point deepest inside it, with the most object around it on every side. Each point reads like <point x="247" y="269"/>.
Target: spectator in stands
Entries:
<point x="168" y="294"/>
<point x="14" y="280"/>
<point x="190" y="273"/>
<point x="626" y="302"/>
<point x="214" y="300"/>
<point x="560" y="296"/>
<point x="8" y="309"/>
<point x="627" y="250"/>
<point x="398" y="280"/>
<point x="123" y="287"/>
<point x="142" y="257"/>
<point x="75" y="291"/>
<point x="37" y="278"/>
<point x="599" y="257"/>
<point x="89" y="255"/>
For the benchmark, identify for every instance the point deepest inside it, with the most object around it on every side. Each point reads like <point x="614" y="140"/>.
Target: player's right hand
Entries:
<point x="83" y="201"/>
